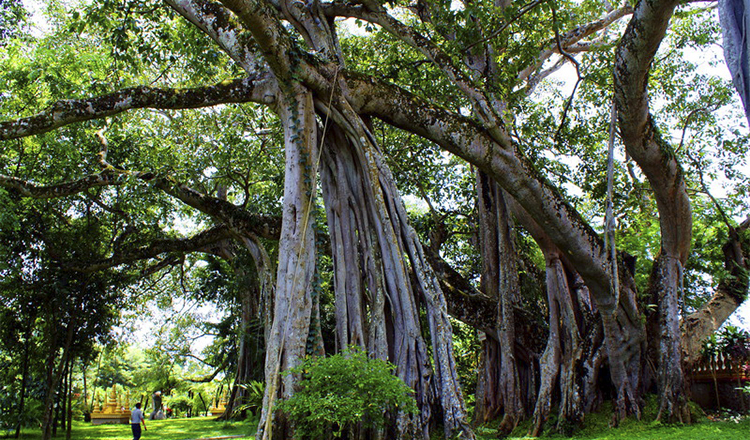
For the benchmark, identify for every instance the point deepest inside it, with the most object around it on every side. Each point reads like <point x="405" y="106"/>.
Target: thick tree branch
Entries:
<point x="275" y="43"/>
<point x="66" y="112"/>
<point x="467" y="139"/>
<point x="217" y="22"/>
<point x="25" y="188"/>
<point x="202" y="242"/>
<point x="731" y="291"/>
<point x="642" y="139"/>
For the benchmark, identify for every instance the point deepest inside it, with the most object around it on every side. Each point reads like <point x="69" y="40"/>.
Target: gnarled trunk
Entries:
<point x="575" y="353"/>
<point x="287" y="338"/>
<point x="498" y="376"/>
<point x="373" y="242"/>
<point x="665" y="284"/>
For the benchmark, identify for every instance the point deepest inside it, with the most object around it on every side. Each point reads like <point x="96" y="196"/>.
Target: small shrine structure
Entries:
<point x="115" y="411"/>
<point x="716" y="382"/>
<point x="221" y="405"/>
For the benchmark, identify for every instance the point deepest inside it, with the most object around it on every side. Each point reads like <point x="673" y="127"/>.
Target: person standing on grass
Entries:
<point x="136" y="418"/>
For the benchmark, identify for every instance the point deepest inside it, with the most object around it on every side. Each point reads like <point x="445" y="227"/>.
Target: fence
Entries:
<point x="720" y="367"/>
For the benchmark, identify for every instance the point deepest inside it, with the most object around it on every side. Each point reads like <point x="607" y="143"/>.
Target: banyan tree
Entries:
<point x="506" y="89"/>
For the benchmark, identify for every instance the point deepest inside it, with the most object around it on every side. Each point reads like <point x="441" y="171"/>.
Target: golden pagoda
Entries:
<point x="221" y="404"/>
<point x="114" y="411"/>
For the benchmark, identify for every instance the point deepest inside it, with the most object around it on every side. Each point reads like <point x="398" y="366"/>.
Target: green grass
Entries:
<point x="700" y="431"/>
<point x="596" y="429"/>
<point x="654" y="431"/>
<point x="171" y="429"/>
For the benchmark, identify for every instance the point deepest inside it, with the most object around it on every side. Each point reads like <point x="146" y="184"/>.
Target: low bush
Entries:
<point x="340" y="391"/>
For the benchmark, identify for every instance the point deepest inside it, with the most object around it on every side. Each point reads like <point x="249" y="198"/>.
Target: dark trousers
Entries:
<point x="136" y="427"/>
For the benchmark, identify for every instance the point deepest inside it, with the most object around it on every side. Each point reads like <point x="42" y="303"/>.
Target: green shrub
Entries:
<point x="253" y="400"/>
<point x="342" y="390"/>
<point x="180" y="404"/>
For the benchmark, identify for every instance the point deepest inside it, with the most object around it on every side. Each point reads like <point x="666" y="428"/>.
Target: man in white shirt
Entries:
<point x="136" y="418"/>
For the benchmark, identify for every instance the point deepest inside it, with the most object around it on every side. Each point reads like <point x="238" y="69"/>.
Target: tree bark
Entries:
<point x="670" y="375"/>
<point x="499" y="377"/>
<point x="390" y="262"/>
<point x="286" y="342"/>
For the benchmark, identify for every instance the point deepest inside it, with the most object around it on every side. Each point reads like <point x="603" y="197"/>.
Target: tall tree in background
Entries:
<point x="469" y="77"/>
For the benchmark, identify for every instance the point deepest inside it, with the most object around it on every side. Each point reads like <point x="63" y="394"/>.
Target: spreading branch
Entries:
<point x="568" y="41"/>
<point x="465" y="138"/>
<point x="220" y="25"/>
<point x="69" y="111"/>
<point x="202" y="242"/>
<point x="25" y="188"/>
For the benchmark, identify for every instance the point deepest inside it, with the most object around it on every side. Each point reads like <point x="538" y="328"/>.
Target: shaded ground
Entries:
<point x="171" y="429"/>
<point x="597" y="429"/>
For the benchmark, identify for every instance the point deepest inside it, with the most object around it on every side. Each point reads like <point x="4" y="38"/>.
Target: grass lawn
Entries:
<point x="596" y="429"/>
<point x="171" y="429"/>
<point x="650" y="431"/>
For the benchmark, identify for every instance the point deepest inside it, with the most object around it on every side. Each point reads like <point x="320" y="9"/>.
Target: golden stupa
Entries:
<point x="221" y="404"/>
<point x="114" y="411"/>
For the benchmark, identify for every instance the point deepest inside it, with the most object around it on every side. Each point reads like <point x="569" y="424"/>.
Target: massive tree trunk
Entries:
<point x="374" y="240"/>
<point x="286" y="344"/>
<point x="353" y="251"/>
<point x="386" y="274"/>
<point x="498" y="376"/>
<point x="575" y="353"/>
<point x="657" y="160"/>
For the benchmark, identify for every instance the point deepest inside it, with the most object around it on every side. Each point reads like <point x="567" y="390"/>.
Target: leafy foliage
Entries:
<point x="735" y="343"/>
<point x="12" y="19"/>
<point x="253" y="397"/>
<point x="342" y="390"/>
<point x="732" y="342"/>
